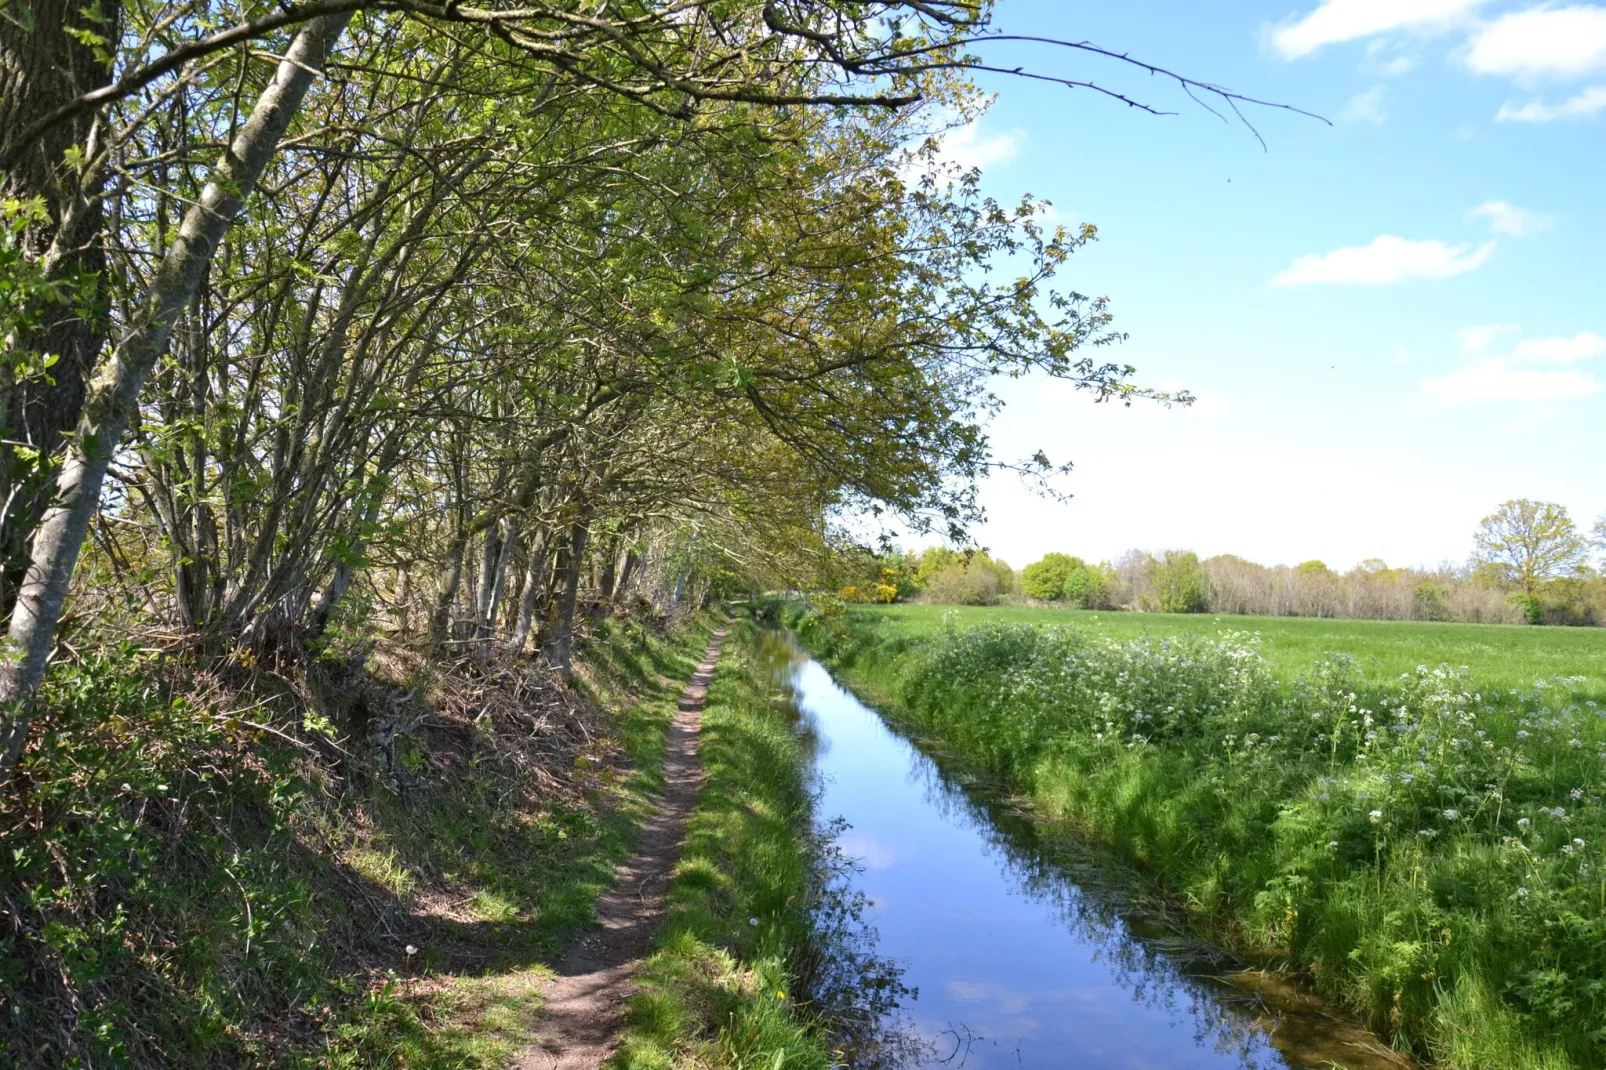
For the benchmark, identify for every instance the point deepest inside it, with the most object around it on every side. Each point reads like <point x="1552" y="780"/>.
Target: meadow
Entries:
<point x="1409" y="815"/>
<point x="1502" y="656"/>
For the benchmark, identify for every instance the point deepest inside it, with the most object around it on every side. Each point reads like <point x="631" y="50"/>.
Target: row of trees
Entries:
<point x="971" y="577"/>
<point x="1531" y="564"/>
<point x="457" y="318"/>
<point x="1179" y="582"/>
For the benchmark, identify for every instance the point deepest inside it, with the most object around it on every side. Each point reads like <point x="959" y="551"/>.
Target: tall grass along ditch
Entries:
<point x="1426" y="853"/>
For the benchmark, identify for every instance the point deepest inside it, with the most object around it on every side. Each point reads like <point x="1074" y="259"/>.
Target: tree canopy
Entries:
<point x="1527" y="541"/>
<point x="462" y="319"/>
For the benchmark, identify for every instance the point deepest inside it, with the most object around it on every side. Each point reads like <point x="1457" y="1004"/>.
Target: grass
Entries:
<point x="182" y="889"/>
<point x="1425" y="850"/>
<point x="1503" y="656"/>
<point x="718" y="990"/>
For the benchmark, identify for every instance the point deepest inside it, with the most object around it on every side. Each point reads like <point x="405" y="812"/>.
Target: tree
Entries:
<point x="1528" y="541"/>
<point x="1179" y="582"/>
<point x="1045" y="580"/>
<point x="589" y="343"/>
<point x="1089" y="586"/>
<point x="970" y="578"/>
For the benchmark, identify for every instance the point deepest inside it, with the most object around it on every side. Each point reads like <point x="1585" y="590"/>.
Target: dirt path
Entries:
<point x="584" y="1003"/>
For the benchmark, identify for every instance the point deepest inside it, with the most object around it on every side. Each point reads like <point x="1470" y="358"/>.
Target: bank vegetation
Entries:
<point x="1426" y="852"/>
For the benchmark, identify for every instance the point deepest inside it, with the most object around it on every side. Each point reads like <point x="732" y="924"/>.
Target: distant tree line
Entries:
<point x="1531" y="564"/>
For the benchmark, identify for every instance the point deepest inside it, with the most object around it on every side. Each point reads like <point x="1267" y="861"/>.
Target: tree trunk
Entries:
<point x="560" y="647"/>
<point x="114" y="395"/>
<point x="610" y="569"/>
<point x="534" y="584"/>
<point x="626" y="574"/>
<point x="42" y="67"/>
<point x="498" y="578"/>
<point x="440" y="620"/>
<point x="404" y="595"/>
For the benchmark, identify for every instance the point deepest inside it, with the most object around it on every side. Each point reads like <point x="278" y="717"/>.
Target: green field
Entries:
<point x="1502" y="656"/>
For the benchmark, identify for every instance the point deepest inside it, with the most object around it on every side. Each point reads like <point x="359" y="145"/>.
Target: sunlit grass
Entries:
<point x="715" y="991"/>
<point x="1423" y="843"/>
<point x="1503" y="656"/>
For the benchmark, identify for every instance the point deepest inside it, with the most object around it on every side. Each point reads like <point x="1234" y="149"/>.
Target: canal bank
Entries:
<point x="1022" y="946"/>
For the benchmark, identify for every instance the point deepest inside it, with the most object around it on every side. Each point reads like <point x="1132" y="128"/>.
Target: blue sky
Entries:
<point x="1393" y="323"/>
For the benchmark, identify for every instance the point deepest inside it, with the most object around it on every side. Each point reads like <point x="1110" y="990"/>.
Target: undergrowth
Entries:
<point x="1426" y="853"/>
<point x="372" y="880"/>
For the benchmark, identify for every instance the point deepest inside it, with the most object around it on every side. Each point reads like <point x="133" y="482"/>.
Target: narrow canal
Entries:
<point x="1024" y="950"/>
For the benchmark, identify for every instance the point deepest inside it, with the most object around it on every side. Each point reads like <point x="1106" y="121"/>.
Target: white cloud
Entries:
<point x="1587" y="104"/>
<point x="1387" y="259"/>
<point x="968" y="147"/>
<point x="956" y="146"/>
<point x="1535" y="370"/>
<point x="1049" y="216"/>
<point x="1365" y="107"/>
<point x="1585" y="345"/>
<point x="1380" y="63"/>
<point x="1512" y="221"/>
<point x="1495" y="381"/>
<point x="1479" y="339"/>
<point x="1543" y="41"/>
<point x="1335" y="21"/>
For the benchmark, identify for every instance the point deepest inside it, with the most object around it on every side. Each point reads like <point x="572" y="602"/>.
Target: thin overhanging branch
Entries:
<point x="566" y="49"/>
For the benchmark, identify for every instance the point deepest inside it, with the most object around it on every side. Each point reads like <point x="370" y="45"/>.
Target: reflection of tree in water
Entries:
<point x="856" y="992"/>
<point x="859" y="993"/>
<point x="1105" y="909"/>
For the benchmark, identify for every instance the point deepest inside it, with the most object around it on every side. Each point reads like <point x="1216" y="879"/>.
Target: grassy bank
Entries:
<point x="1502" y="656"/>
<point x="720" y="989"/>
<point x="1427" y="850"/>
<point x="367" y="870"/>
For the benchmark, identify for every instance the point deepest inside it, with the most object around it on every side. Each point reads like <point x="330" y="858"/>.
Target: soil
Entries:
<point x="584" y="1002"/>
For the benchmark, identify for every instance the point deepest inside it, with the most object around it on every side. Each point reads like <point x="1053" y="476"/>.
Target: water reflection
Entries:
<point x="1017" y="947"/>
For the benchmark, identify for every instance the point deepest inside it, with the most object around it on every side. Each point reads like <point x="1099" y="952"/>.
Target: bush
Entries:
<point x="1531" y="608"/>
<point x="124" y="885"/>
<point x="970" y="580"/>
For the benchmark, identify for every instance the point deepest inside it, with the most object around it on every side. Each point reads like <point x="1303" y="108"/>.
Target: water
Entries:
<point x="1027" y="951"/>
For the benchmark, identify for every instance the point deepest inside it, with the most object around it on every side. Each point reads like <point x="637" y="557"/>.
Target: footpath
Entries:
<point x="584" y="1003"/>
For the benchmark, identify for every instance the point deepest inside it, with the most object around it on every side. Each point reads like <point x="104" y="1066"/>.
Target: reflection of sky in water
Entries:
<point x="1001" y="948"/>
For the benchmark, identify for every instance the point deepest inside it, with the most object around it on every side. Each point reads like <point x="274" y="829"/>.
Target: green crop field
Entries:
<point x="1502" y="656"/>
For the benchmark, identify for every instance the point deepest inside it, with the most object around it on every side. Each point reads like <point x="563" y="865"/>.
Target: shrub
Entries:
<point x="1432" y="600"/>
<point x="970" y="580"/>
<point x="1531" y="608"/>
<point x="1090" y="586"/>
